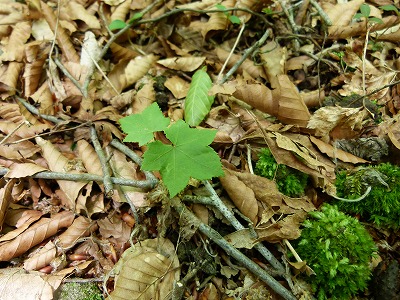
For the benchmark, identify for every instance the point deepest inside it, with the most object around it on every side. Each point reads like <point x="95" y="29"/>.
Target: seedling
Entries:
<point x="188" y="155"/>
<point x="232" y="18"/>
<point x="365" y="11"/>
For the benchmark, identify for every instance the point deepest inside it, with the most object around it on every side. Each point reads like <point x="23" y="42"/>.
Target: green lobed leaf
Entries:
<point x="198" y="102"/>
<point x="189" y="156"/>
<point x="116" y="25"/>
<point x="140" y="127"/>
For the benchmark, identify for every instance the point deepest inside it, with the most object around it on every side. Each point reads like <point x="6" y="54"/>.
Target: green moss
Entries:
<point x="289" y="181"/>
<point x="382" y="205"/>
<point x="79" y="291"/>
<point x="338" y="248"/>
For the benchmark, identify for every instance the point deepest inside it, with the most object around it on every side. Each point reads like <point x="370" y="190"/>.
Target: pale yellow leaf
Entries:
<point x="186" y="64"/>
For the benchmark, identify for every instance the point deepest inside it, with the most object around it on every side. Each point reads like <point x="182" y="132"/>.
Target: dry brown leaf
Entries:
<point x="15" y="48"/>
<point x="81" y="227"/>
<point x="257" y="95"/>
<point x="116" y="228"/>
<point x="122" y="53"/>
<point x="147" y="271"/>
<point x="273" y="58"/>
<point x="77" y="11"/>
<point x="24" y="170"/>
<point x="345" y="121"/>
<point x="41" y="258"/>
<point x="128" y="170"/>
<point x="43" y="97"/>
<point x="89" y="157"/>
<point x="144" y="98"/>
<point x="185" y="64"/>
<point x="292" y="109"/>
<point x="10" y="78"/>
<point x="5" y="198"/>
<point x="336" y="153"/>
<point x="178" y="86"/>
<point x="241" y="195"/>
<point x="59" y="163"/>
<point x="24" y="285"/>
<point x="249" y="66"/>
<point x="138" y="67"/>
<point x="121" y="11"/>
<point x="62" y="36"/>
<point x="35" y="234"/>
<point x="24" y="149"/>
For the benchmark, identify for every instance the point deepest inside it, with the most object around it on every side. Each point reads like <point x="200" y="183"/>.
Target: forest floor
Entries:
<point x="134" y="136"/>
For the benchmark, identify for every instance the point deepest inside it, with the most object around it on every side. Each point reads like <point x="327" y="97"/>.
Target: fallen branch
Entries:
<point x="212" y="234"/>
<point x="144" y="184"/>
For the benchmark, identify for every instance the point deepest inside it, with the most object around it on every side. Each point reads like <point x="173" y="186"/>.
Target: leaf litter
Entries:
<point x="71" y="207"/>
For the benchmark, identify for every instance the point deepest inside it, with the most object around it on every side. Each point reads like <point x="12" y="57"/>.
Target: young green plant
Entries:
<point x="188" y="154"/>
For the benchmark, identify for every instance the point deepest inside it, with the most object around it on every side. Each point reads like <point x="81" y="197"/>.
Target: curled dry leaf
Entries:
<point x="336" y="153"/>
<point x="5" y="198"/>
<point x="42" y="258"/>
<point x="89" y="157"/>
<point x="147" y="271"/>
<point x="81" y="227"/>
<point x="62" y="36"/>
<point x="37" y="233"/>
<point x="178" y="86"/>
<point x="24" y="221"/>
<point x="292" y="109"/>
<point x="241" y="195"/>
<point x="23" y="149"/>
<point x="273" y="57"/>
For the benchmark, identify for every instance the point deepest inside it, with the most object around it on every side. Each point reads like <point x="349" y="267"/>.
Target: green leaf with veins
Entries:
<point x="198" y="102"/>
<point x="140" y="127"/>
<point x="189" y="156"/>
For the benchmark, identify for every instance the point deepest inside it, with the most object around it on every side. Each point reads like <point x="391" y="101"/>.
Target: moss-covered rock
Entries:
<point x="79" y="291"/>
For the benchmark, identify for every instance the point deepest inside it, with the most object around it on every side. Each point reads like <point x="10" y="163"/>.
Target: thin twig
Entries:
<point x="217" y="202"/>
<point x="230" y="250"/>
<point x="86" y="177"/>
<point x="13" y="131"/>
<point x="246" y="54"/>
<point x="35" y="111"/>
<point x="321" y="12"/>
<point x="136" y="158"/>
<point x="69" y="75"/>
<point x="108" y="186"/>
<point x="231" y="53"/>
<point x="122" y="191"/>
